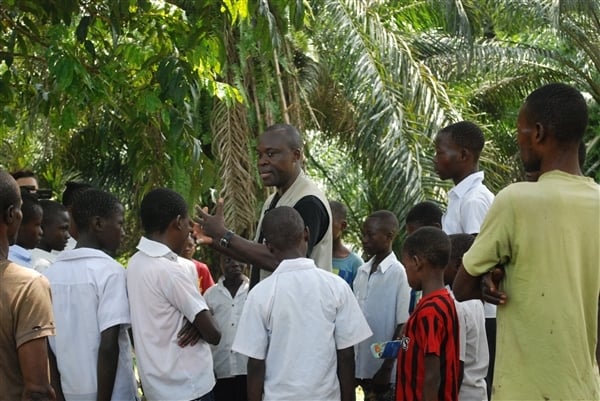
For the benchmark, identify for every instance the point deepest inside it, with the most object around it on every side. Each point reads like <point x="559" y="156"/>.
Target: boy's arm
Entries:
<point x="108" y="359"/>
<point x="55" y="375"/>
<point x="431" y="385"/>
<point x="381" y="380"/>
<point x="207" y="327"/>
<point x="345" y="373"/>
<point x="33" y="360"/>
<point x="256" y="379"/>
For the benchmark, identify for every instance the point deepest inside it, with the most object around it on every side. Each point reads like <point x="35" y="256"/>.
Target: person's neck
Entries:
<point x="87" y="241"/>
<point x="282" y="189"/>
<point x="160" y="237"/>
<point x="233" y="283"/>
<point x="43" y="246"/>
<point x="563" y="158"/>
<point x="378" y="259"/>
<point x="4" y="245"/>
<point x="338" y="249"/>
<point x="465" y="174"/>
<point x="432" y="284"/>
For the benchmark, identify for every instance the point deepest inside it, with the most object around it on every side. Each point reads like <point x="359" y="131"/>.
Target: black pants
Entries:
<point x="490" y="331"/>
<point x="231" y="389"/>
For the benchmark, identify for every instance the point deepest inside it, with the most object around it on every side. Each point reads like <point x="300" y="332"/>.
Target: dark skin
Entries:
<point x="345" y="373"/>
<point x="451" y="161"/>
<point x="423" y="276"/>
<point x="339" y="250"/>
<point x="232" y="271"/>
<point x="31" y="232"/>
<point x="32" y="355"/>
<point x="56" y="232"/>
<point x="279" y="163"/>
<point x="377" y="238"/>
<point x="255" y="380"/>
<point x="203" y="327"/>
<point x="540" y="152"/>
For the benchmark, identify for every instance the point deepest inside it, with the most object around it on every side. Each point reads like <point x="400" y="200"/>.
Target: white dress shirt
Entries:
<point x="19" y="255"/>
<point x="89" y="295"/>
<point x="468" y="203"/>
<point x="384" y="297"/>
<point x="161" y="295"/>
<point x="227" y="311"/>
<point x="296" y="320"/>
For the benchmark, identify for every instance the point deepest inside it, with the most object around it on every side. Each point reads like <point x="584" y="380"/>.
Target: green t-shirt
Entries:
<point x="547" y="235"/>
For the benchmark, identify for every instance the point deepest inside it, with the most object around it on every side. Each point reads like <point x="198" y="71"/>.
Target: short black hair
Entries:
<point x="159" y="207"/>
<point x="387" y="219"/>
<point x="91" y="203"/>
<point x="466" y="134"/>
<point x="283" y="227"/>
<point x="338" y="210"/>
<point x="51" y="210"/>
<point x="24" y="173"/>
<point x="460" y="244"/>
<point x="561" y="109"/>
<point x="72" y="189"/>
<point x="431" y="244"/>
<point x="31" y="207"/>
<point x="9" y="191"/>
<point x="294" y="138"/>
<point x="425" y="213"/>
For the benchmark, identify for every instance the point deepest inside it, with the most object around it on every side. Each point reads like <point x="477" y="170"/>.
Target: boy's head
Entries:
<point x="231" y="268"/>
<point x="338" y="214"/>
<point x="555" y="114"/>
<point x="10" y="206"/>
<point x="460" y="244"/>
<point x="425" y="253"/>
<point x="99" y="216"/>
<point x="164" y="214"/>
<point x="189" y="249"/>
<point x="378" y="233"/>
<point x="285" y="233"/>
<point x="26" y="180"/>
<point x="30" y="231"/>
<point x="72" y="190"/>
<point x="424" y="214"/>
<point x="457" y="150"/>
<point x="55" y="224"/>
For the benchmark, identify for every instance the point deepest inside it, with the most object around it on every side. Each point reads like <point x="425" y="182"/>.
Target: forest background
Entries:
<point x="133" y="94"/>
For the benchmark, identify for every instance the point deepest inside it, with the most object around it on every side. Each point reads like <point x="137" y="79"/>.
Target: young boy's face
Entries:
<point x="31" y="232"/>
<point x="231" y="268"/>
<point x="412" y="274"/>
<point x="375" y="237"/>
<point x="337" y="226"/>
<point x="56" y="232"/>
<point x="447" y="156"/>
<point x="113" y="232"/>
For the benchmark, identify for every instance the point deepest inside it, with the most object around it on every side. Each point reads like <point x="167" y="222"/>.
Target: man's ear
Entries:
<point x="418" y="261"/>
<point x="344" y="224"/>
<point x="177" y="222"/>
<point x="306" y="234"/>
<point x="9" y="215"/>
<point x="540" y="133"/>
<point x="97" y="223"/>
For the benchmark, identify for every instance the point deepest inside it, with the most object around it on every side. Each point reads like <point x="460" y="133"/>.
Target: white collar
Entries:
<point x="470" y="181"/>
<point x="288" y="265"/>
<point x="156" y="249"/>
<point x="79" y="253"/>
<point x="385" y="264"/>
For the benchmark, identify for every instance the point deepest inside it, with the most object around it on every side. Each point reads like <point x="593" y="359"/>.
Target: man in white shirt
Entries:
<point x="163" y="299"/>
<point x="89" y="297"/>
<point x="300" y="324"/>
<point x="457" y="150"/>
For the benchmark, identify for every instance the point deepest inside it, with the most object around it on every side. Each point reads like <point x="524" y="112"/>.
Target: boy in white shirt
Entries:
<point x="226" y="300"/>
<point x="300" y="324"/>
<point x="89" y="296"/>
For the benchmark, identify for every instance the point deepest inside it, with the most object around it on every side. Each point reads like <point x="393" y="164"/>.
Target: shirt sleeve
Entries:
<point x="33" y="314"/>
<point x="113" y="306"/>
<point x="182" y="292"/>
<point x="403" y="299"/>
<point x="252" y="336"/>
<point x="492" y="245"/>
<point x="351" y="327"/>
<point x="315" y="217"/>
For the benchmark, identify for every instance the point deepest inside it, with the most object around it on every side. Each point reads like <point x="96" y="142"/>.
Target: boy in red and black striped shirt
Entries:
<point x="428" y="363"/>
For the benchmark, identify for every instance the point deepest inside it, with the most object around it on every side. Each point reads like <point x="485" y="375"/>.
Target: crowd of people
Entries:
<point x="495" y="298"/>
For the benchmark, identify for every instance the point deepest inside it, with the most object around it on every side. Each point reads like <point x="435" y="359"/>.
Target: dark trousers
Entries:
<point x="490" y="331"/>
<point x="231" y="389"/>
<point x="371" y="395"/>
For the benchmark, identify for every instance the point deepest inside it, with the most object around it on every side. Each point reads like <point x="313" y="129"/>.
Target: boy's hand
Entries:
<point x="489" y="287"/>
<point x="188" y="335"/>
<point x="381" y="381"/>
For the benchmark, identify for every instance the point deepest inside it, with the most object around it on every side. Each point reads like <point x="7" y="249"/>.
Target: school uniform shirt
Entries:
<point x="227" y="311"/>
<point x="162" y="293"/>
<point x="433" y="329"/>
<point x="473" y="350"/>
<point x="468" y="203"/>
<point x="384" y="297"/>
<point x="19" y="255"/>
<point x="296" y="320"/>
<point x="42" y="259"/>
<point x="89" y="295"/>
